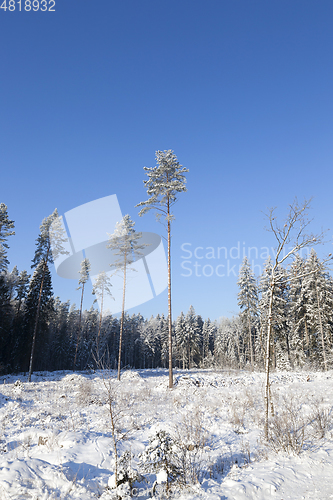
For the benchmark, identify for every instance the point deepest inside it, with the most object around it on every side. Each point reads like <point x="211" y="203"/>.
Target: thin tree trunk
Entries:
<point x="250" y="338"/>
<point x="321" y="328"/>
<point x="307" y="343"/>
<point x="79" y="329"/>
<point x="100" y="324"/>
<point x="113" y="428"/>
<point x="268" y="357"/>
<point x="169" y="300"/>
<point x="122" y="318"/>
<point x="37" y="316"/>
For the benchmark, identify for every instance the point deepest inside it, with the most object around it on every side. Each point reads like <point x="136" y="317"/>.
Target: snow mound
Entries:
<point x="131" y="376"/>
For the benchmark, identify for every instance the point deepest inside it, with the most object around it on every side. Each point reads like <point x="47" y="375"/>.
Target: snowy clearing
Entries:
<point x="56" y="441"/>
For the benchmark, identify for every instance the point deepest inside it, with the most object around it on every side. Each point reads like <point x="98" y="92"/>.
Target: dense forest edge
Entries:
<point x="68" y="338"/>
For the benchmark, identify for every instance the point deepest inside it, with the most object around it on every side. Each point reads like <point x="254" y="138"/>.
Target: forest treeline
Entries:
<point x="68" y="338"/>
<point x="302" y="326"/>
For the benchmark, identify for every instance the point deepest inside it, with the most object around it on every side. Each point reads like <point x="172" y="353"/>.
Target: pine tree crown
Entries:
<point x="164" y="181"/>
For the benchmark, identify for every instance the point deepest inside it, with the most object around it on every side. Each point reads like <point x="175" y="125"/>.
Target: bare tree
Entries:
<point x="292" y="232"/>
<point x="120" y="407"/>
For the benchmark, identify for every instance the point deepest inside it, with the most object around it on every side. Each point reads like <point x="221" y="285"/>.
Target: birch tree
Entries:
<point x="292" y="232"/>
<point x="125" y="244"/>
<point x="164" y="182"/>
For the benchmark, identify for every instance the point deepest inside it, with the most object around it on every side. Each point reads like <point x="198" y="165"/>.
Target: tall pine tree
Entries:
<point x="126" y="246"/>
<point x="51" y="238"/>
<point x="165" y="181"/>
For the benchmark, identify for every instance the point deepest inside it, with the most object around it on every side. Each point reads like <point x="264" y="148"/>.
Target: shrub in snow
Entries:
<point x="287" y="428"/>
<point x="160" y="457"/>
<point x="125" y="472"/>
<point x="321" y="420"/>
<point x="193" y="440"/>
<point x="121" y="492"/>
<point x="126" y="476"/>
<point x="18" y="387"/>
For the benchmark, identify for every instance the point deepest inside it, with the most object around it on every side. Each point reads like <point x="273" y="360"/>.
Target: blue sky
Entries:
<point x="241" y="91"/>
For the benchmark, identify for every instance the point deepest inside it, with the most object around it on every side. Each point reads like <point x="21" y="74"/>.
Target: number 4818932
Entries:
<point x="28" y="5"/>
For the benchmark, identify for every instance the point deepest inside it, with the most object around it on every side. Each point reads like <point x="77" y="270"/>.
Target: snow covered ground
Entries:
<point x="55" y="434"/>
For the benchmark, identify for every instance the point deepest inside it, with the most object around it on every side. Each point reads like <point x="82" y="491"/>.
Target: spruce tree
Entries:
<point x="281" y="307"/>
<point x="192" y="336"/>
<point x="180" y="328"/>
<point x="6" y="230"/>
<point x="22" y="288"/>
<point x="248" y="302"/>
<point x="5" y="322"/>
<point x="318" y="289"/>
<point x="60" y="343"/>
<point x="149" y="334"/>
<point x="208" y="339"/>
<point x="299" y="342"/>
<point x="38" y="299"/>
<point x="12" y="281"/>
<point x="165" y="181"/>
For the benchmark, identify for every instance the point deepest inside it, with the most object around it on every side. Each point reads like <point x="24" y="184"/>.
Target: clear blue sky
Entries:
<point x="240" y="90"/>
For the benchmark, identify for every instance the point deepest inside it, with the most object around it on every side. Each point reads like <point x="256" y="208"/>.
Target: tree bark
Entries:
<point x="268" y="357"/>
<point x="321" y="329"/>
<point x="100" y="324"/>
<point x="122" y="318"/>
<point x="79" y="329"/>
<point x="250" y="340"/>
<point x="169" y="300"/>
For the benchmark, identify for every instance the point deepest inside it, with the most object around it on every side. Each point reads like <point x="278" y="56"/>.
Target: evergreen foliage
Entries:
<point x="39" y="294"/>
<point x="160" y="456"/>
<point x="248" y="303"/>
<point x="6" y="230"/>
<point x="301" y="321"/>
